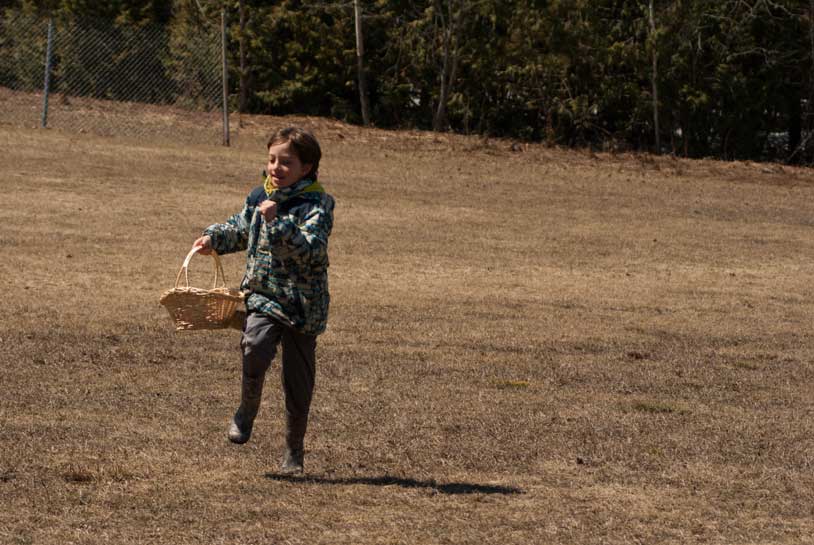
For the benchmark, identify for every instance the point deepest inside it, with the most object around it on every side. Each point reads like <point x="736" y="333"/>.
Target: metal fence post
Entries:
<point x="224" y="77"/>
<point x="47" y="83"/>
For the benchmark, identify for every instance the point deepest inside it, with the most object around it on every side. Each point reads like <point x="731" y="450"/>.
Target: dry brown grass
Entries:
<point x="524" y="347"/>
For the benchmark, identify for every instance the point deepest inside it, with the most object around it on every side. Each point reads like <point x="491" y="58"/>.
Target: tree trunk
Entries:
<point x="224" y="77"/>
<point x="441" y="110"/>
<point x="796" y="114"/>
<point x="795" y="128"/>
<point x="244" y="91"/>
<point x="811" y="73"/>
<point x="654" y="79"/>
<point x="449" y="67"/>
<point x="360" y="63"/>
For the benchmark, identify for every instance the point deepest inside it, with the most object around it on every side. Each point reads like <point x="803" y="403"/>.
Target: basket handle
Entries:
<point x="219" y="276"/>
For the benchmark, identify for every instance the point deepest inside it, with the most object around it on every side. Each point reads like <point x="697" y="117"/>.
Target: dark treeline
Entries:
<point x="721" y="78"/>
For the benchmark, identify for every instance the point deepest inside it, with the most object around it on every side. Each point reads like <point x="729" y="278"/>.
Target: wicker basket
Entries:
<point x="196" y="308"/>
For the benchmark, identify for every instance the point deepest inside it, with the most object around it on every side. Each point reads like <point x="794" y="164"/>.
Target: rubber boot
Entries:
<point x="293" y="459"/>
<point x="293" y="462"/>
<point x="240" y="429"/>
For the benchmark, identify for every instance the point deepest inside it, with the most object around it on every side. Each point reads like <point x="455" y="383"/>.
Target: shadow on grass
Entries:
<point x="384" y="480"/>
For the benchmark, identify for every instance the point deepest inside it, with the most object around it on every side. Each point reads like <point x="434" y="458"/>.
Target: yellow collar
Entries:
<point x="313" y="187"/>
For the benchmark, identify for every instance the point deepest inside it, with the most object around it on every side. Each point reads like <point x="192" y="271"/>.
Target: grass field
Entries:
<point x="525" y="347"/>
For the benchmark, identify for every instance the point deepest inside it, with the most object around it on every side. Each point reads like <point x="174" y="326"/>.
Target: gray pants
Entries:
<point x="261" y="336"/>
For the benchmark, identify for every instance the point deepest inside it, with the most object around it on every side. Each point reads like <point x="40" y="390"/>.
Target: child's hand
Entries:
<point x="204" y="243"/>
<point x="268" y="209"/>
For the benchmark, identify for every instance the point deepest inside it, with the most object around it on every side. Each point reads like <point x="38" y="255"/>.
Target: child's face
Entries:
<point x="284" y="165"/>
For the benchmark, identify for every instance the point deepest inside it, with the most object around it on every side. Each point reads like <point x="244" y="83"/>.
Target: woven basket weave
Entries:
<point x="196" y="308"/>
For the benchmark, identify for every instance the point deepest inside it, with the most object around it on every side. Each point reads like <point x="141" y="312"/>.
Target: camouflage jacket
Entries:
<point x="286" y="259"/>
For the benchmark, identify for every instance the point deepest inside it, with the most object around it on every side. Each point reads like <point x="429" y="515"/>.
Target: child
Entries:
<point x="284" y="226"/>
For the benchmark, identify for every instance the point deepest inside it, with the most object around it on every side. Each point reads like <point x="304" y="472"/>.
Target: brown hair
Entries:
<point x="304" y="144"/>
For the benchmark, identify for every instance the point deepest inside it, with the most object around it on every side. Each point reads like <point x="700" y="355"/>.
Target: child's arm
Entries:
<point x="233" y="235"/>
<point x="306" y="242"/>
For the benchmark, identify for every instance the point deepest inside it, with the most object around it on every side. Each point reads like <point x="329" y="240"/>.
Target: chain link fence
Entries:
<point x="111" y="79"/>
